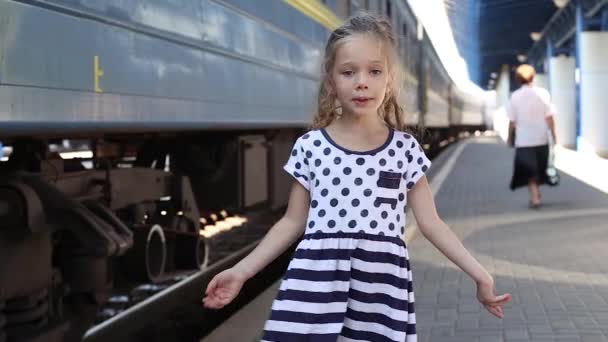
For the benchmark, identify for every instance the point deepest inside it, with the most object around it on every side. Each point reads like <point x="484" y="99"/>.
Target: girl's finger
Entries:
<point x="499" y="309"/>
<point x="504" y="298"/>
<point x="501" y="300"/>
<point x="500" y="303"/>
<point x="496" y="311"/>
<point x="212" y="304"/>
<point x="492" y="311"/>
<point x="498" y="300"/>
<point x="493" y="301"/>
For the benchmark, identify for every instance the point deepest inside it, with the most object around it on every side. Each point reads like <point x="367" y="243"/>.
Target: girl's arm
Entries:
<point x="420" y="199"/>
<point x="282" y="234"/>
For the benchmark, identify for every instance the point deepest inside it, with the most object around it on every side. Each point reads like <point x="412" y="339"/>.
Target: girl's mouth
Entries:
<point x="361" y="100"/>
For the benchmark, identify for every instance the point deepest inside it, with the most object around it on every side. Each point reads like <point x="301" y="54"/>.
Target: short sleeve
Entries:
<point x="417" y="163"/>
<point x="297" y="164"/>
<point x="546" y="99"/>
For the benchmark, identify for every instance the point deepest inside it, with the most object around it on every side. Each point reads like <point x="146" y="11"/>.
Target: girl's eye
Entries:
<point x="376" y="72"/>
<point x="347" y="73"/>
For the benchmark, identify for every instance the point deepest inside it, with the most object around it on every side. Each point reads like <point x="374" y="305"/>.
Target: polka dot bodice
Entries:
<point x="353" y="191"/>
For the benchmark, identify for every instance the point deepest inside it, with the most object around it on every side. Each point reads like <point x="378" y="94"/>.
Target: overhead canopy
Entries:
<point x="490" y="33"/>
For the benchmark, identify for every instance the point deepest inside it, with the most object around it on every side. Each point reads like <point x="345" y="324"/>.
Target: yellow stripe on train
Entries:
<point x="317" y="12"/>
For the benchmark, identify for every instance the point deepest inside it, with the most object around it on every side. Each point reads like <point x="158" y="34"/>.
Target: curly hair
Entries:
<point x="390" y="110"/>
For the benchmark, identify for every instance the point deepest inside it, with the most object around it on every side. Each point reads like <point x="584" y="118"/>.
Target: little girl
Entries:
<point x="350" y="278"/>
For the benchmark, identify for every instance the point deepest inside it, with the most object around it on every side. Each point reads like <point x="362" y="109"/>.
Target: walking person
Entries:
<point x="531" y="119"/>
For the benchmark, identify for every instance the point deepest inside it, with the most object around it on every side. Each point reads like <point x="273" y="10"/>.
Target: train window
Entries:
<point x="388" y="8"/>
<point x="403" y="39"/>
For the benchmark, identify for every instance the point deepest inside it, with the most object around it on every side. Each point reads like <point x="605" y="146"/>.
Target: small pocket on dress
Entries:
<point x="389" y="179"/>
<point x="388" y="188"/>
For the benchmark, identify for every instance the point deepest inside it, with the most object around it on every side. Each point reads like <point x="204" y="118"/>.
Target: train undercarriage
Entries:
<point x="75" y="232"/>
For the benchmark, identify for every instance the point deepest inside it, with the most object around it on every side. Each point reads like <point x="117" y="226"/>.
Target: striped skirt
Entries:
<point x="345" y="287"/>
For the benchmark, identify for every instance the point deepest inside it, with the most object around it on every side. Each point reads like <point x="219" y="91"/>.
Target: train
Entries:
<point x="135" y="132"/>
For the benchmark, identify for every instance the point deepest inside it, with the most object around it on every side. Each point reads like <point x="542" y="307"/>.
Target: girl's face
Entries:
<point x="360" y="75"/>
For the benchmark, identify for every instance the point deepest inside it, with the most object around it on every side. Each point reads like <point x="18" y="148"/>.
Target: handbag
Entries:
<point x="551" y="171"/>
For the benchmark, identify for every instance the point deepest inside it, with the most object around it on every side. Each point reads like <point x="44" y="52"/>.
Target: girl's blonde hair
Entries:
<point x="364" y="23"/>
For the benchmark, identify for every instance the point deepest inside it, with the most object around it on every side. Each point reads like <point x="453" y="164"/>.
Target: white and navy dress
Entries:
<point x="350" y="279"/>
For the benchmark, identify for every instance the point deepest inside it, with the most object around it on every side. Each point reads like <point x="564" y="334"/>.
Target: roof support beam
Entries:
<point x="561" y="27"/>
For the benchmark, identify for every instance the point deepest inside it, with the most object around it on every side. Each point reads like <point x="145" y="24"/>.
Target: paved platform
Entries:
<point x="552" y="260"/>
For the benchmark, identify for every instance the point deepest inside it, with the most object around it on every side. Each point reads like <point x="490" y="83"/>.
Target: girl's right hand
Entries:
<point x="223" y="288"/>
<point x="492" y="302"/>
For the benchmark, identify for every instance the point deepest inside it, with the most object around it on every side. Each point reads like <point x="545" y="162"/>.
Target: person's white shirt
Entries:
<point x="528" y="108"/>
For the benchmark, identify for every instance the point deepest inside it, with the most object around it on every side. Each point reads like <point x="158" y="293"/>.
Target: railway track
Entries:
<point x="171" y="310"/>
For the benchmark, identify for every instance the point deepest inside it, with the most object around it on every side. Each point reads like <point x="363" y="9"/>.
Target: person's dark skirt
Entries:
<point x="530" y="163"/>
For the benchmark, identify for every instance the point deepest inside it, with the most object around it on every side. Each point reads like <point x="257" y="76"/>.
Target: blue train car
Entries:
<point x="130" y="66"/>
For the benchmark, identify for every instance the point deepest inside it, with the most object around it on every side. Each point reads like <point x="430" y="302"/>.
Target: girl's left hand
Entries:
<point x="492" y="303"/>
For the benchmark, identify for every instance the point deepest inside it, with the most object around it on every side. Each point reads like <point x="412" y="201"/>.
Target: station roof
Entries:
<point x="504" y="29"/>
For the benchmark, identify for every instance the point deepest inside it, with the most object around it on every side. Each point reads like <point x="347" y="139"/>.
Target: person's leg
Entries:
<point x="534" y="192"/>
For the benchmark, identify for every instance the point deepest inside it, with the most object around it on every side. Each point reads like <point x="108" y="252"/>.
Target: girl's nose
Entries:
<point x="361" y="82"/>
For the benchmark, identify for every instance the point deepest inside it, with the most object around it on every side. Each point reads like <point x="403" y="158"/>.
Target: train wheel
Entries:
<point x="146" y="261"/>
